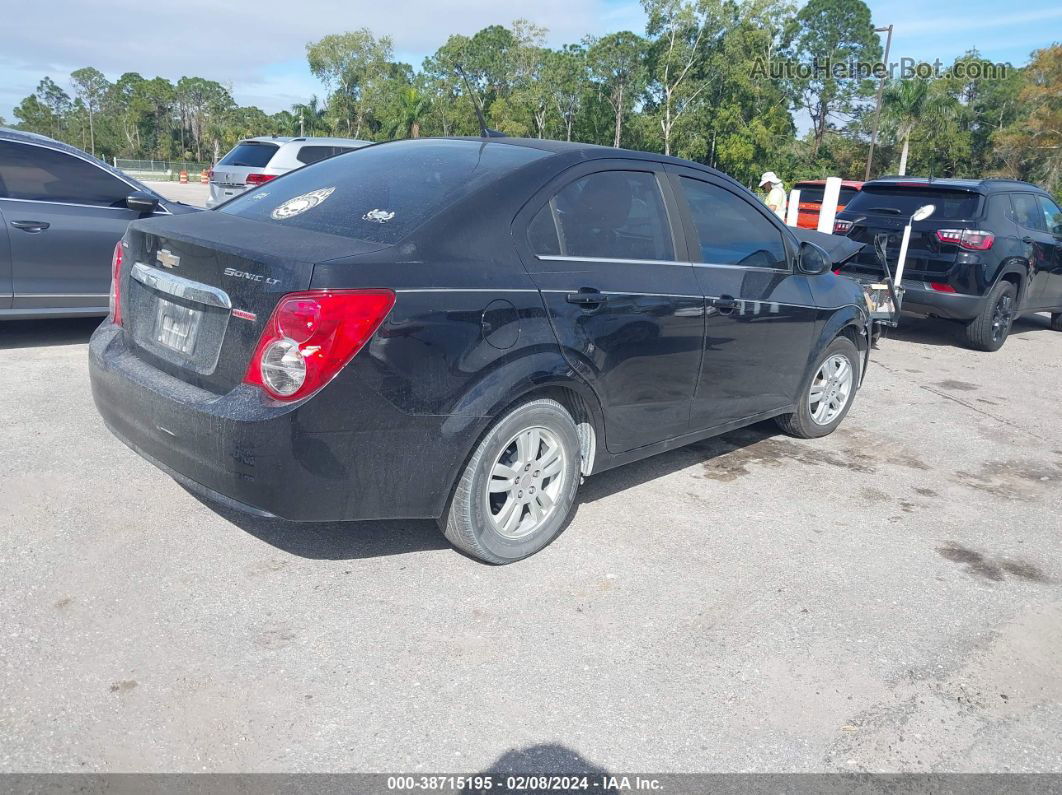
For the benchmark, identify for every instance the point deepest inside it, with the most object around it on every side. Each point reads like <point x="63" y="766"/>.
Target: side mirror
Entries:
<point x="813" y="260"/>
<point x="141" y="202"/>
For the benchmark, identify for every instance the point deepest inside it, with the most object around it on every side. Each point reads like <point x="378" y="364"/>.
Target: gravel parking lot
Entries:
<point x="884" y="599"/>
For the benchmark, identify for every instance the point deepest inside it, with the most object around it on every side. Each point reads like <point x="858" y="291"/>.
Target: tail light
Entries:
<point x="969" y="239"/>
<point x="210" y="174"/>
<point x="311" y="336"/>
<point x="258" y="179"/>
<point x="841" y="227"/>
<point x="116" y="286"/>
<point x="940" y="287"/>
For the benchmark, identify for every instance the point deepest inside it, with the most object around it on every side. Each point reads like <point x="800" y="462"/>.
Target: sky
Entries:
<point x="257" y="47"/>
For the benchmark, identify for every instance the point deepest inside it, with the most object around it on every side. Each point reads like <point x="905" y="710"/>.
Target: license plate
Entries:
<point x="176" y="326"/>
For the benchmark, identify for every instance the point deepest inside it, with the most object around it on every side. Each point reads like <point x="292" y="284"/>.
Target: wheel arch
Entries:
<point x="540" y="374"/>
<point x="848" y="321"/>
<point x="1016" y="271"/>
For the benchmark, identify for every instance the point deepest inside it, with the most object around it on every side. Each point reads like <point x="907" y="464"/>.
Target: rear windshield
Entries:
<point x="255" y="155"/>
<point x="380" y="193"/>
<point x="814" y="193"/>
<point x="903" y="201"/>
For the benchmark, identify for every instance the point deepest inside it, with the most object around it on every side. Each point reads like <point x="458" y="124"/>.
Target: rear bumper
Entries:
<point x="923" y="300"/>
<point x="262" y="458"/>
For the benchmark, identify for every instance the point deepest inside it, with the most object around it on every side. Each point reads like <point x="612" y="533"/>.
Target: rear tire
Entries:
<point x="989" y="330"/>
<point x="517" y="489"/>
<point x="1056" y="321"/>
<point x="828" y="393"/>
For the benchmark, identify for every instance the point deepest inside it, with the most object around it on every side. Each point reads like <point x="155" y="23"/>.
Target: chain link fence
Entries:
<point x="160" y="170"/>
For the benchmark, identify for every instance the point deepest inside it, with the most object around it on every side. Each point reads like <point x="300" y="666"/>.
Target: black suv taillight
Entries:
<point x="969" y="239"/>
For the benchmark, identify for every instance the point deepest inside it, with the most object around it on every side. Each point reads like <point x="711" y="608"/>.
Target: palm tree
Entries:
<point x="310" y="117"/>
<point x="909" y="104"/>
<point x="410" y="111"/>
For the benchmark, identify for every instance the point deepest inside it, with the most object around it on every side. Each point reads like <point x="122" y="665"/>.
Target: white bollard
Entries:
<point x="792" y="210"/>
<point x="828" y="210"/>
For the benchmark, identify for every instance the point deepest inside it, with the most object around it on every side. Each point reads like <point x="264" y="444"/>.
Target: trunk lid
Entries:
<point x="199" y="288"/>
<point x="880" y="213"/>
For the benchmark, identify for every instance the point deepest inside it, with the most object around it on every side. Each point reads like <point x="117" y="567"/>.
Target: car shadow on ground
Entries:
<point x="947" y="333"/>
<point x="336" y="540"/>
<point x="47" y="333"/>
<point x="547" y="759"/>
<point x="370" y="539"/>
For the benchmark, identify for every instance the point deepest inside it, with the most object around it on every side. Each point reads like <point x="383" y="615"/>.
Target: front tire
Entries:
<point x="1056" y="321"/>
<point x="828" y="394"/>
<point x="989" y="330"/>
<point x="517" y="489"/>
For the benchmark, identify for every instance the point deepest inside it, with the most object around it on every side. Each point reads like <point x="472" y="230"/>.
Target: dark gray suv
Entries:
<point x="61" y="214"/>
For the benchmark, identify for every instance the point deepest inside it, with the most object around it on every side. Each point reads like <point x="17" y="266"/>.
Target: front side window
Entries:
<point x="730" y="231"/>
<point x="607" y="215"/>
<point x="1052" y="215"/>
<point x="37" y="173"/>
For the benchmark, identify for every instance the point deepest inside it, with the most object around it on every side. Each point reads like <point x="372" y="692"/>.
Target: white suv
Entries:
<point x="256" y="160"/>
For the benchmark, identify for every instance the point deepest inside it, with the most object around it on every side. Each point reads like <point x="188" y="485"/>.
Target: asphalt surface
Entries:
<point x="194" y="193"/>
<point x="885" y="599"/>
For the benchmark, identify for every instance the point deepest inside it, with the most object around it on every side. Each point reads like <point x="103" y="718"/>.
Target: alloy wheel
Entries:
<point x="1002" y="316"/>
<point x="830" y="389"/>
<point x="525" y="482"/>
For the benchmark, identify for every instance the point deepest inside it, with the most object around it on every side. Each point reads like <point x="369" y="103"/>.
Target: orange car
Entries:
<point x="811" y="199"/>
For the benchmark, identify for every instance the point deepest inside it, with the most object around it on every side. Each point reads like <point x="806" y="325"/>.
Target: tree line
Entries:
<point x="693" y="85"/>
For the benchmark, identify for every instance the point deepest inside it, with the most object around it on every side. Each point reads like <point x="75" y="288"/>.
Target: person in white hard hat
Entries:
<point x="775" y="194"/>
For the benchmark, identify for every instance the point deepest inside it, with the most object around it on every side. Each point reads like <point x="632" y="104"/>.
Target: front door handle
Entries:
<point x="724" y="303"/>
<point x="586" y="297"/>
<point x="1027" y="239"/>
<point x="31" y="226"/>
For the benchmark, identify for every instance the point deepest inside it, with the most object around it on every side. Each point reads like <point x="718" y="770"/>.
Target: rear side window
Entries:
<point x="730" y="231"/>
<point x="903" y="201"/>
<point x="608" y="215"/>
<point x="315" y="154"/>
<point x="250" y="154"/>
<point x="1026" y="211"/>
<point x="542" y="233"/>
<point x="1052" y="215"/>
<point x="41" y="174"/>
<point x="381" y="193"/>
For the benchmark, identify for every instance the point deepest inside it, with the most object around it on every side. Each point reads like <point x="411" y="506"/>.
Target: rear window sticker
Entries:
<point x="301" y="204"/>
<point x="378" y="216"/>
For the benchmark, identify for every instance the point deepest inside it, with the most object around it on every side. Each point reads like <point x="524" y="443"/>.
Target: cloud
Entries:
<point x="241" y="42"/>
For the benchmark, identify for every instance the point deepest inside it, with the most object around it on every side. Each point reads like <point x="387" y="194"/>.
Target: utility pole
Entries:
<point x="877" y="108"/>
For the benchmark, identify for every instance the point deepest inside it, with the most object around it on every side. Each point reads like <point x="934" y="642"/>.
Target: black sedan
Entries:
<point x="61" y="212"/>
<point x="463" y="329"/>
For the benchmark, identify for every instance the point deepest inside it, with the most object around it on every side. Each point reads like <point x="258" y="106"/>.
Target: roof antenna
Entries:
<point x="484" y="130"/>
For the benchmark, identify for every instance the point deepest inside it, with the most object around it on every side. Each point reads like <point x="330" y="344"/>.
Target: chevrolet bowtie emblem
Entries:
<point x="168" y="260"/>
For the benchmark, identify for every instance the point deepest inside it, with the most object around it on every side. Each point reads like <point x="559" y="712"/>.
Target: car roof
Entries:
<point x="987" y="185"/>
<point x="845" y="183"/>
<point x="312" y="140"/>
<point x="575" y="150"/>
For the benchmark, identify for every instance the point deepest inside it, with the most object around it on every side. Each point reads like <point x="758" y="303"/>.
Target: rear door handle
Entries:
<point x="587" y="297"/>
<point x="1027" y="239"/>
<point x="31" y="226"/>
